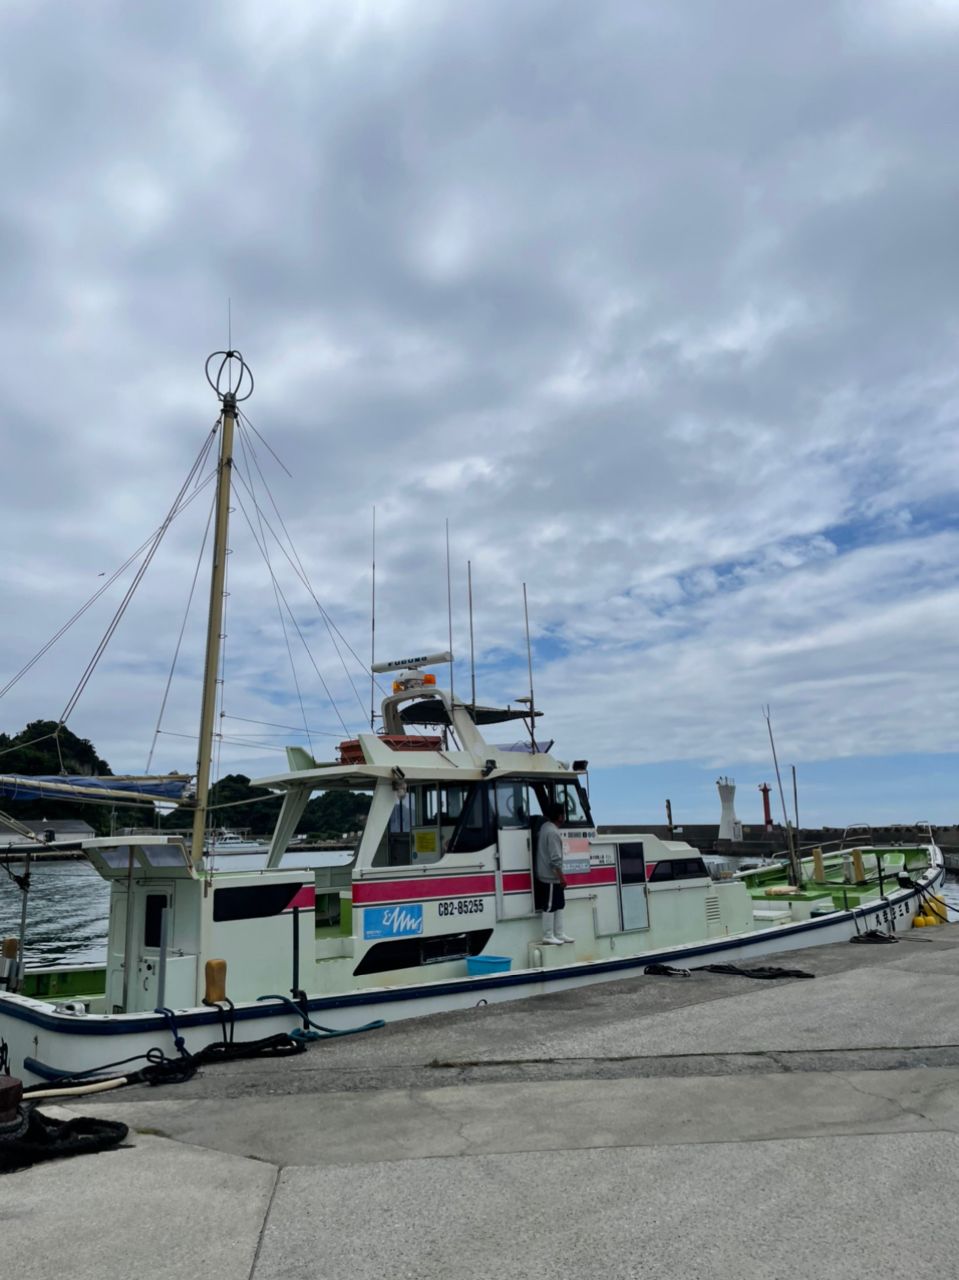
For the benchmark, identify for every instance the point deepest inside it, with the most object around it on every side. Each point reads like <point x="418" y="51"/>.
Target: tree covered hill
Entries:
<point x="33" y="751"/>
<point x="254" y="809"/>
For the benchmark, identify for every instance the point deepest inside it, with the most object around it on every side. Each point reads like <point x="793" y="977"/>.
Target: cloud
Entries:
<point x="658" y="307"/>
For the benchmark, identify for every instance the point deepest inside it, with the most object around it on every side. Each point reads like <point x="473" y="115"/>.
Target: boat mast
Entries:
<point x="227" y="386"/>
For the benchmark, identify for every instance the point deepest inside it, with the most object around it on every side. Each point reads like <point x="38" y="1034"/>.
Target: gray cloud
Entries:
<point x="656" y="303"/>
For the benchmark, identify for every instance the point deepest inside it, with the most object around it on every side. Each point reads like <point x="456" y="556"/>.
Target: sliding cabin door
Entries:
<point x="634" y="904"/>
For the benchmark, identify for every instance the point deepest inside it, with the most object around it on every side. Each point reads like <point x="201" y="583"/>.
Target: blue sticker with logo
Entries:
<point x="393" y="922"/>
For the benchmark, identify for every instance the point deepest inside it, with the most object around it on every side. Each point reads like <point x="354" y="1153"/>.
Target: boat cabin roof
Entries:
<point x="115" y="856"/>
<point x="435" y="712"/>
<point x="418" y="766"/>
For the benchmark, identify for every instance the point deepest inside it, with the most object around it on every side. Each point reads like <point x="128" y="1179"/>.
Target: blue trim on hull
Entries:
<point x="98" y="1025"/>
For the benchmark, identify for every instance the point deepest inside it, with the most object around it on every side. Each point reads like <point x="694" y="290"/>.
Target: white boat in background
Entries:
<point x="231" y="842"/>
<point x="434" y="908"/>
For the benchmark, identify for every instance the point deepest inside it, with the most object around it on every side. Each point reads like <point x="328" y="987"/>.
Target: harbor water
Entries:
<point x="67" y="912"/>
<point x="69" y="904"/>
<point x="68" y="907"/>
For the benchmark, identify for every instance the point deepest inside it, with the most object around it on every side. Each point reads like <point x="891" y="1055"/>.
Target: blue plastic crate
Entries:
<point x="476" y="965"/>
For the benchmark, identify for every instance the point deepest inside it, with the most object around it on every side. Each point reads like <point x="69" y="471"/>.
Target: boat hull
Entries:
<point x="45" y="1043"/>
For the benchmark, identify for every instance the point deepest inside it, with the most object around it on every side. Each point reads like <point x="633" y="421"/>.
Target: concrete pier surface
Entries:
<point x="654" y="1127"/>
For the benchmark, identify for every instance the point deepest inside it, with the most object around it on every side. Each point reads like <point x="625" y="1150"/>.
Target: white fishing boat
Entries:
<point x="231" y="842"/>
<point x="435" y="909"/>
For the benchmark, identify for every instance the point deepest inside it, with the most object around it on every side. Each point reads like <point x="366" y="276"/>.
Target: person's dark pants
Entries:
<point x="548" y="895"/>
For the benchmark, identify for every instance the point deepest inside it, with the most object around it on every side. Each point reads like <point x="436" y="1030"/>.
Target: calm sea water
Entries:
<point x="66" y="912"/>
<point x="68" y="905"/>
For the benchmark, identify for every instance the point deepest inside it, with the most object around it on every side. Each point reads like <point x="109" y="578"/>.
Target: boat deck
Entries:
<point x="835" y="891"/>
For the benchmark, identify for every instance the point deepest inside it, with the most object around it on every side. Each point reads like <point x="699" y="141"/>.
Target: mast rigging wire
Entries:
<point x="300" y="570"/>
<point x="276" y="595"/>
<point x="309" y="654"/>
<point x="271" y="724"/>
<point x="137" y="579"/>
<point x="304" y="578"/>
<point x="97" y="594"/>
<point x="176" y="652"/>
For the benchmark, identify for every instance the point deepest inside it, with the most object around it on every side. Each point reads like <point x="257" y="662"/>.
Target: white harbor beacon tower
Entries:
<point x="730" y="828"/>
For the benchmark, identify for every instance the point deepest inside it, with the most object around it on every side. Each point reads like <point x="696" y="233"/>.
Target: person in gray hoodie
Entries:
<point x="550" y="881"/>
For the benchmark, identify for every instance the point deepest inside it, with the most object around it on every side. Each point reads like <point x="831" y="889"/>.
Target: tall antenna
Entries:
<point x="529" y="659"/>
<point x="373" y="632"/>
<point x="449" y="604"/>
<point x="469" y="589"/>
<point x="794" y="864"/>
<point x="795" y="801"/>
<point x="231" y="388"/>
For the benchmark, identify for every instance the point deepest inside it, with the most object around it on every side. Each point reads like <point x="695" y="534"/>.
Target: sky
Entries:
<point x="655" y="303"/>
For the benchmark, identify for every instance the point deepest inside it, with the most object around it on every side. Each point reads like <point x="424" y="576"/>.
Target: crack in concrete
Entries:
<point x="778" y="1056"/>
<point x="420" y="1098"/>
<point x="263" y="1225"/>
<point x="904" y="1108"/>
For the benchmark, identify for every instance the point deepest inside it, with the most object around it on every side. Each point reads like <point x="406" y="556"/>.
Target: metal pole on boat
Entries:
<point x="22" y="944"/>
<point x="795" y="868"/>
<point x="529" y="660"/>
<point x="373" y="633"/>
<point x="295" y="989"/>
<point x="795" y="800"/>
<point x="449" y="604"/>
<point x="161" y="964"/>
<point x="227" y="387"/>
<point x="469" y="592"/>
<point x="128" y="931"/>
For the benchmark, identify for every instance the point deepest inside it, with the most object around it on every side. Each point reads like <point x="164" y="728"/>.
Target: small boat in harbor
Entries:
<point x="231" y="842"/>
<point x="435" y="908"/>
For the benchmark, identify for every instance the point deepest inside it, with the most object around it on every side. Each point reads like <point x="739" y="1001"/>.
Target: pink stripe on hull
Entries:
<point x="421" y="890"/>
<point x="596" y="875"/>
<point x="305" y="897"/>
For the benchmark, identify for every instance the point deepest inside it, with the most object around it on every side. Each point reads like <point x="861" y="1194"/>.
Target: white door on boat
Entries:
<point x="634" y="903"/>
<point x="153" y="918"/>
<point x="515" y="849"/>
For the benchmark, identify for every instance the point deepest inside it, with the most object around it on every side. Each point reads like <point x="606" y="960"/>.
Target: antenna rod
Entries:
<point x="226" y="387"/>
<point x="529" y="659"/>
<point x="795" y="801"/>
<point x="469" y="587"/>
<point x="373" y="632"/>
<point x="449" y="604"/>
<point x="794" y="864"/>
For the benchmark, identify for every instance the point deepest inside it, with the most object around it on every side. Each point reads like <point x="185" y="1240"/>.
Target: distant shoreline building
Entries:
<point x="730" y="828"/>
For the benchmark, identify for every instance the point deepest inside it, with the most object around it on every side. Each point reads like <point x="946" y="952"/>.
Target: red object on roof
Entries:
<point x="352" y="753"/>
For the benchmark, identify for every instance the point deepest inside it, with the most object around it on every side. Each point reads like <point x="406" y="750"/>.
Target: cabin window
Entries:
<point x="632" y="864"/>
<point x="512" y="805"/>
<point x="571" y="796"/>
<point x="475" y="828"/>
<point x="399" y="844"/>
<point x="423" y="823"/>
<point x="678" y="869"/>
<point x="153" y="918"/>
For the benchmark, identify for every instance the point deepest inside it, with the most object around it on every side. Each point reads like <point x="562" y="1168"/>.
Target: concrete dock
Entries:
<point x="654" y="1127"/>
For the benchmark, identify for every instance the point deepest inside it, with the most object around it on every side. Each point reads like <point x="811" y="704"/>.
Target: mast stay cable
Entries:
<point x="137" y="579"/>
<point x="279" y="589"/>
<point x="176" y="652"/>
<point x="105" y="586"/>
<point x="304" y="578"/>
<point x="276" y="595"/>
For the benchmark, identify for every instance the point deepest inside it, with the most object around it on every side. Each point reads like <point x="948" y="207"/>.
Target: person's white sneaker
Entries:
<point x="549" y="940"/>
<point x="564" y="937"/>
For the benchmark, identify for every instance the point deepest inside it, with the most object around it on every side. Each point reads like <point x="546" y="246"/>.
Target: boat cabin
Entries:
<point x="443" y="871"/>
